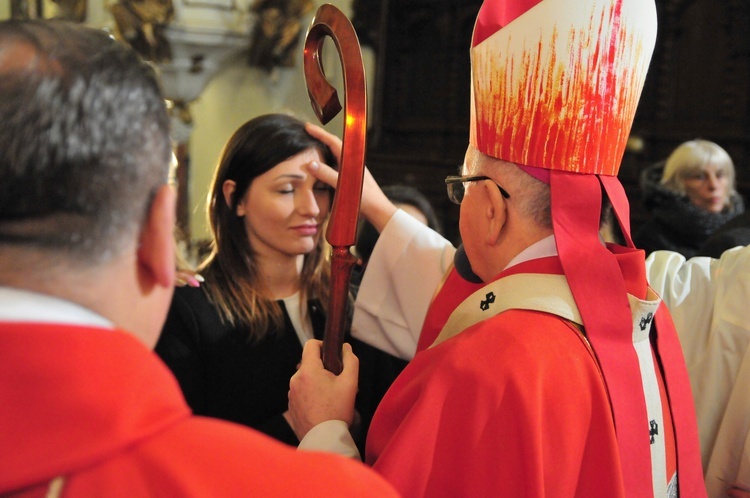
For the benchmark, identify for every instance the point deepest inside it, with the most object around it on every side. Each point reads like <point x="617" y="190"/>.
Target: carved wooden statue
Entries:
<point x="71" y="10"/>
<point x="141" y="24"/>
<point x="277" y="32"/>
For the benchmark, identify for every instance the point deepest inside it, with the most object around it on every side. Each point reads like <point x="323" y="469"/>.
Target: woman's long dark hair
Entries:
<point x="233" y="281"/>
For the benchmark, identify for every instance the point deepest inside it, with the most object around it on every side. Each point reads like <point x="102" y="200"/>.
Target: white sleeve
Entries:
<point x="331" y="436"/>
<point x="687" y="287"/>
<point x="405" y="269"/>
<point x="708" y="300"/>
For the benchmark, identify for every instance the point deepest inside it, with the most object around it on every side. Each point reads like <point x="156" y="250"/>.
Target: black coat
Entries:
<point x="736" y="232"/>
<point x="676" y="224"/>
<point x="225" y="376"/>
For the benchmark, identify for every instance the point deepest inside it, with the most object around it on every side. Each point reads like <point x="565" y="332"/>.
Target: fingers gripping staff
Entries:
<point x="342" y="227"/>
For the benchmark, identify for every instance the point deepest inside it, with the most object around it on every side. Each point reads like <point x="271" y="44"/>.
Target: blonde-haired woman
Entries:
<point x="688" y="197"/>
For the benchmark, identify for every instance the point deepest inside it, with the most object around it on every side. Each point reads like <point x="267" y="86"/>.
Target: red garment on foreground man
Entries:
<point x="97" y="409"/>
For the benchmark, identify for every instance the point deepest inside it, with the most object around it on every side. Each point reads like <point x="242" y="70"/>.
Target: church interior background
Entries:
<point x="223" y="62"/>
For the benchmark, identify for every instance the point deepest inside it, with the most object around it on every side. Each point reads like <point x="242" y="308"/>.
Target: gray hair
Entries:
<point x="531" y="195"/>
<point x="85" y="136"/>
<point x="691" y="157"/>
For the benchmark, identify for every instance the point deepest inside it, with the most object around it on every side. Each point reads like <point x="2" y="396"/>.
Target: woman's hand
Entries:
<point x="375" y="206"/>
<point x="187" y="277"/>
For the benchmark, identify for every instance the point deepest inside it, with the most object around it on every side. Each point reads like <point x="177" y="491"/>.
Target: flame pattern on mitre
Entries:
<point x="557" y="87"/>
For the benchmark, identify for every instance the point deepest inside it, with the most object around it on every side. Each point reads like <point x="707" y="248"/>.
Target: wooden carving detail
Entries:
<point x="277" y="32"/>
<point x="141" y="24"/>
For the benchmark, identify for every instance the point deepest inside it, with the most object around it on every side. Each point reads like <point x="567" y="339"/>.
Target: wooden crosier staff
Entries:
<point x="342" y="227"/>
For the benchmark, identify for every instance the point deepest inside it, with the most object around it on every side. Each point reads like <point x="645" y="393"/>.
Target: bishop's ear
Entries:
<point x="496" y="211"/>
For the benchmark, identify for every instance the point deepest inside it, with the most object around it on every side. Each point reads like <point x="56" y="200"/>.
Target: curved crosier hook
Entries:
<point x="342" y="226"/>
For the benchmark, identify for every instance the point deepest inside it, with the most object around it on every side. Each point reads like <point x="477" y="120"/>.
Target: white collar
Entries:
<point x="539" y="249"/>
<point x="18" y="305"/>
<point x="300" y="321"/>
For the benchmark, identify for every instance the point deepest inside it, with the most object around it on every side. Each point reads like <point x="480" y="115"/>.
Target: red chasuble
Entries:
<point x="96" y="413"/>
<point x="514" y="405"/>
<point x="499" y="410"/>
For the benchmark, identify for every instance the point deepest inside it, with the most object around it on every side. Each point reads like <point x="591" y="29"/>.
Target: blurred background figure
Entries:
<point x="688" y="197"/>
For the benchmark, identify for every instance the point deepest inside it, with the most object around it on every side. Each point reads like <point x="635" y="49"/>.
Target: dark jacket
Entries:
<point x="225" y="376"/>
<point x="676" y="224"/>
<point x="735" y="232"/>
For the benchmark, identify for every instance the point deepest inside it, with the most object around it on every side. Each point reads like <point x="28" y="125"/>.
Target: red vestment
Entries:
<point x="97" y="408"/>
<point x="514" y="405"/>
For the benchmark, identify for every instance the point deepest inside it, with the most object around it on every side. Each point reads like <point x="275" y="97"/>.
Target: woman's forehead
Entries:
<point x="709" y="167"/>
<point x="294" y="165"/>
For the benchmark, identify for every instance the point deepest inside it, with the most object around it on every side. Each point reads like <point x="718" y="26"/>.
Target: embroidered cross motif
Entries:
<point x="489" y="299"/>
<point x="654" y="430"/>
<point x="645" y="321"/>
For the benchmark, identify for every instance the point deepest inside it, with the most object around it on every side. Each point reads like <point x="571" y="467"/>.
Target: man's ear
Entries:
<point x="156" y="249"/>
<point x="228" y="188"/>
<point x="496" y="212"/>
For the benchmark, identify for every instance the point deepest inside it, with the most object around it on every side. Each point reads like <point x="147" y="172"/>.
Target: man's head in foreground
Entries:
<point x="85" y="211"/>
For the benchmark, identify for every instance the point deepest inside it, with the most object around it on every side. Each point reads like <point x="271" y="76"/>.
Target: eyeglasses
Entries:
<point x="456" y="189"/>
